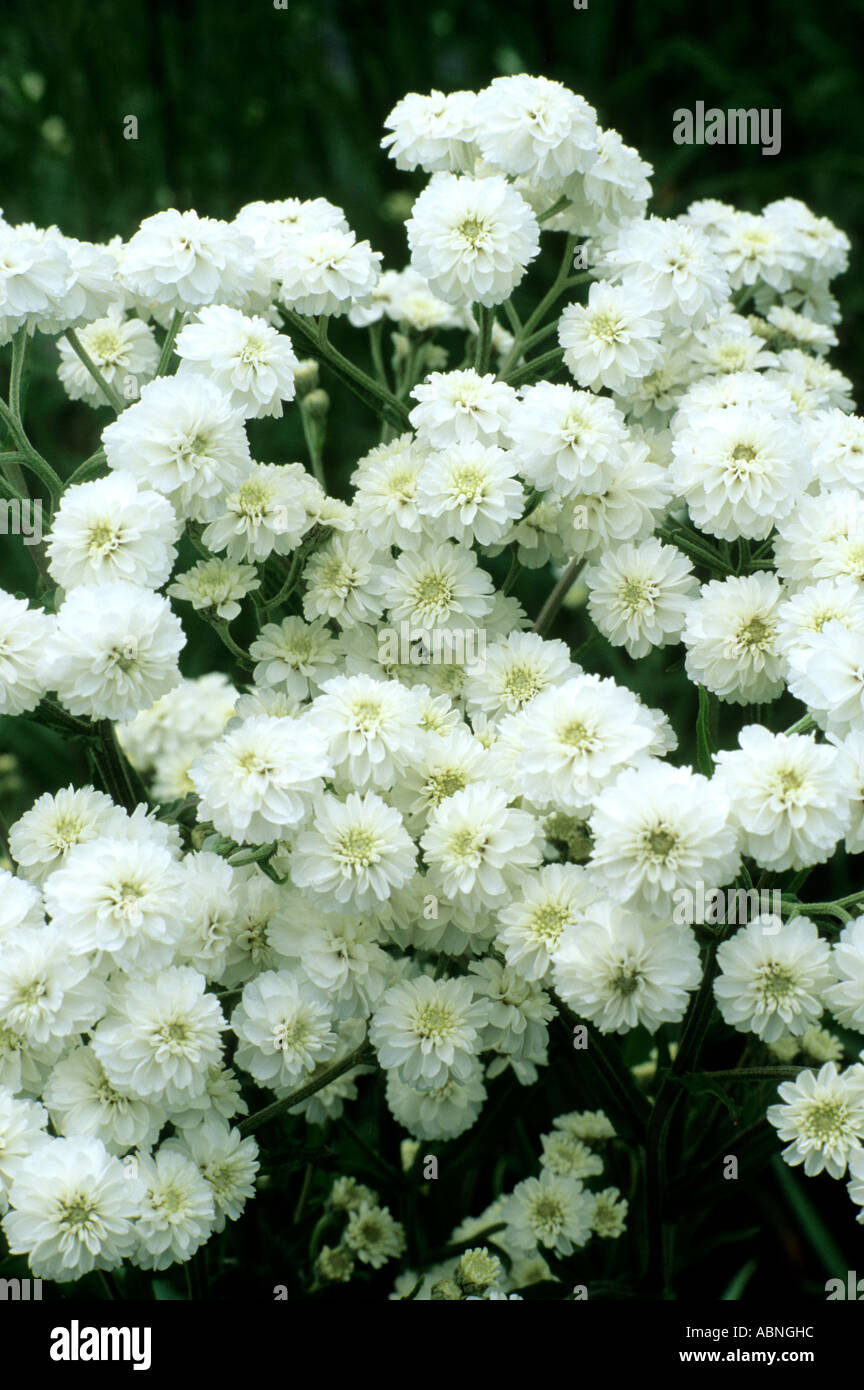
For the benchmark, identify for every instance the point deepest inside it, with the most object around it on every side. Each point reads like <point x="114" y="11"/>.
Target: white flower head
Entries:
<point x="472" y="239"/>
<point x="620" y="970"/>
<point x="821" y="1118"/>
<point x="771" y="982"/>
<point x="113" y="650"/>
<point x="261" y="777"/>
<point x="73" y="1210"/>
<point x="183" y="438"/>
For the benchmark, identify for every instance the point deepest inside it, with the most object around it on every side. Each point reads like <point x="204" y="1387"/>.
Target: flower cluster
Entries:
<point x="348" y="858"/>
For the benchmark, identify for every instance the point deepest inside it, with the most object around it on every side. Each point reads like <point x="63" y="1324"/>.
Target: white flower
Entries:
<point x="821" y="1119"/>
<point x="73" y="1210"/>
<point x="837" y="440"/>
<point x="34" y="277"/>
<point x="845" y="998"/>
<point x="46" y="993"/>
<point x="551" y="1212"/>
<point x="804" y="614"/>
<point x="20" y="904"/>
<point x="370" y="727"/>
<point x="247" y="359"/>
<point x="472" y="239"/>
<point x="855" y="1187"/>
<point x="274" y="225"/>
<point x="284" y="1030"/>
<point x="23" y="634"/>
<point x="591" y="1125"/>
<point x="266" y="513"/>
<point x="438" y="586"/>
<point x="385" y="502"/>
<point x="338" y="955"/>
<point x="374" y="1236"/>
<point x="639" y="595"/>
<point x="530" y="929"/>
<point x="228" y="1162"/>
<point x="434" y="132"/>
<point x="772" y="982"/>
<point x="476" y="847"/>
<point x="851" y="750"/>
<point x="22" y="1134"/>
<point x="440" y="767"/>
<point x="739" y="470"/>
<point x="294" y="655"/>
<point x="813" y="385"/>
<point x="788" y="794"/>
<point x="110" y="529"/>
<point x="472" y="491"/>
<point x="119" y="896"/>
<point x="261" y="777"/>
<point x="729" y="344"/>
<point x="731" y="636"/>
<point x="567" y="1156"/>
<point x="114" y="650"/>
<point x="345" y="580"/>
<point x="124" y="350"/>
<point x="445" y="1112"/>
<point x="428" y="1031"/>
<point x="823" y="538"/>
<point x="572" y="740"/>
<point x="218" y="584"/>
<point x="626" y="506"/>
<point x="614" y="189"/>
<point x="179" y="260"/>
<point x="565" y="439"/>
<point x="322" y="272"/>
<point x="356" y="853"/>
<point x="659" y="828"/>
<point x="519" y="1012"/>
<point x="620" y="971"/>
<point x="461" y="407"/>
<point x="675" y="267"/>
<point x="802" y="331"/>
<point x="178" y="1213"/>
<point x="161" y="1036"/>
<point x="536" y="127"/>
<point x="183" y="438"/>
<point x="755" y="248"/>
<point x="82" y="1101"/>
<point x="613" y="340"/>
<point x="516" y="669"/>
<point x="828" y="675"/>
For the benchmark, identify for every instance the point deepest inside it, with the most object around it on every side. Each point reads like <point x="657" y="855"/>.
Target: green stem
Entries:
<point x="485" y="320"/>
<point x="562" y="203"/>
<point x="225" y="636"/>
<point x="377" y="397"/>
<point x="121" y="781"/>
<point x="536" y="367"/>
<point x="558" y="594"/>
<point x="803" y="725"/>
<point x="114" y="399"/>
<point x="363" y="1053"/>
<point x="168" y="342"/>
<point x="30" y="457"/>
<point x="88" y="469"/>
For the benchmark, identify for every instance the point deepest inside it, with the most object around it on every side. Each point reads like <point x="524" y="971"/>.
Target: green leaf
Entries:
<point x="705" y="744"/>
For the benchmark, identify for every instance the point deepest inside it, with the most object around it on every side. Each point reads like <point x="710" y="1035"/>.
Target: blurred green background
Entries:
<point x="240" y="101"/>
